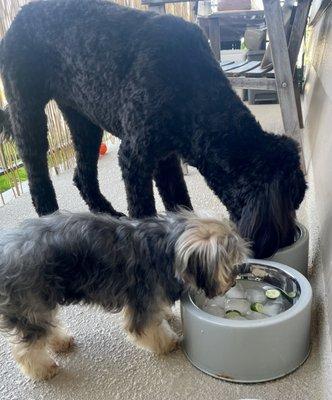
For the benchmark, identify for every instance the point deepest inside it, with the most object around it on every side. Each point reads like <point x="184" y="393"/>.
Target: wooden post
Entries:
<point x="214" y="36"/>
<point x="203" y="23"/>
<point x="282" y="69"/>
<point x="297" y="32"/>
<point x="295" y="40"/>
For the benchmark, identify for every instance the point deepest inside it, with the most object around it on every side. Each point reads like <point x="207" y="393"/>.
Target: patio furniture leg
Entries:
<point x="214" y="36"/>
<point x="295" y="40"/>
<point x="297" y="32"/>
<point x="204" y="25"/>
<point x="282" y="68"/>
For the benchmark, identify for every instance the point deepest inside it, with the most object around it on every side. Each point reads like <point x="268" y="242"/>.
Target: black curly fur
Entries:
<point x="5" y="125"/>
<point x="152" y="81"/>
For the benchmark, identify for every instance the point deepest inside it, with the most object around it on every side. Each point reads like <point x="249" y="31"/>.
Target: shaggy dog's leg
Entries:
<point x="59" y="340"/>
<point x="34" y="359"/>
<point x="29" y="345"/>
<point x="29" y="125"/>
<point x="171" y="184"/>
<point x="87" y="138"/>
<point x="137" y="171"/>
<point x="168" y="313"/>
<point x="156" y="335"/>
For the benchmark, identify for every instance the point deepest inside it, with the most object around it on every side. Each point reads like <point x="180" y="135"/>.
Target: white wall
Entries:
<point x="318" y="137"/>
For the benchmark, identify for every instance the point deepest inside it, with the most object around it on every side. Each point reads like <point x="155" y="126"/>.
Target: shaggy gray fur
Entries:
<point x="97" y="259"/>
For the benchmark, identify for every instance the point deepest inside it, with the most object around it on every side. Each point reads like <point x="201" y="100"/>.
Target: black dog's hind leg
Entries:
<point x="171" y="184"/>
<point x="87" y="138"/>
<point x="137" y="173"/>
<point x="29" y="124"/>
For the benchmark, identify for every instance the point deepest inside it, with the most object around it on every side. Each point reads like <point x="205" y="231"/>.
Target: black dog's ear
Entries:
<point x="297" y="188"/>
<point x="267" y="220"/>
<point x="291" y="157"/>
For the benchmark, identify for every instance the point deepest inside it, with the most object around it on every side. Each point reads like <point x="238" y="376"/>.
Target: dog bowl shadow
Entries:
<point x="250" y="351"/>
<point x="295" y="255"/>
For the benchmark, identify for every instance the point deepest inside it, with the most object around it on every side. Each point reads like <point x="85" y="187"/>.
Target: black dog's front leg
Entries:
<point x="137" y="174"/>
<point x="171" y="184"/>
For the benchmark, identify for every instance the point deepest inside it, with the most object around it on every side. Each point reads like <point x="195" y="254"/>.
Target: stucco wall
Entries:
<point x="317" y="108"/>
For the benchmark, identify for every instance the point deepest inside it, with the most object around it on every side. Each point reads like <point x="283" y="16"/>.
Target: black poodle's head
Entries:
<point x="268" y="202"/>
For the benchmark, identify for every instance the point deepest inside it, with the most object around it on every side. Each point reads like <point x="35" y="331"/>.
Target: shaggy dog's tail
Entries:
<point x="6" y="132"/>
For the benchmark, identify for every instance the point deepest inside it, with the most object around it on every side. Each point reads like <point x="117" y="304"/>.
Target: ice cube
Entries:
<point x="236" y="292"/>
<point x="240" y="305"/>
<point x="255" y="315"/>
<point x="214" y="310"/>
<point x="217" y="301"/>
<point x="256" y="296"/>
<point x="272" y="308"/>
<point x="279" y="300"/>
<point x="268" y="287"/>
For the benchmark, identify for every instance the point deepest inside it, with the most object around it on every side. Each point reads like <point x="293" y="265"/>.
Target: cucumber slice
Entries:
<point x="272" y="294"/>
<point x="258" y="307"/>
<point x="233" y="314"/>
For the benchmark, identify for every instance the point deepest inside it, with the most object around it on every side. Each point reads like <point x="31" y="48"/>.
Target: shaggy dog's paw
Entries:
<point x="41" y="372"/>
<point x="62" y="344"/>
<point x="171" y="346"/>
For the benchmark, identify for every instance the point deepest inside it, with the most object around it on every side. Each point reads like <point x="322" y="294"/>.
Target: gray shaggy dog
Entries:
<point x="140" y="267"/>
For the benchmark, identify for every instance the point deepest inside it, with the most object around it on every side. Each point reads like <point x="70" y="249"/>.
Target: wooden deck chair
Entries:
<point x="286" y="28"/>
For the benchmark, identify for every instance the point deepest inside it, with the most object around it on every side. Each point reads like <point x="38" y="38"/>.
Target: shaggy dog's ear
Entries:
<point x="267" y="220"/>
<point x="206" y="254"/>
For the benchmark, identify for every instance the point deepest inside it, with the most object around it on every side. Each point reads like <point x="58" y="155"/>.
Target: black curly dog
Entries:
<point x="151" y="80"/>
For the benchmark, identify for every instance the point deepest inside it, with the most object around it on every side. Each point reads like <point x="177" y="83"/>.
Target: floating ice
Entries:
<point x="214" y="310"/>
<point x="271" y="308"/>
<point x="242" y="299"/>
<point x="236" y="292"/>
<point x="217" y="301"/>
<point x="255" y="315"/>
<point x="240" y="305"/>
<point x="256" y="296"/>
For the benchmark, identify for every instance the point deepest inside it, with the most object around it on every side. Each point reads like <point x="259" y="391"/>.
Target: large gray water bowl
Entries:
<point x="295" y="255"/>
<point x="251" y="351"/>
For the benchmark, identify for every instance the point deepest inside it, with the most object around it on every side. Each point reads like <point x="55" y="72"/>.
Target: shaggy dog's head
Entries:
<point x="207" y="253"/>
<point x="268" y="203"/>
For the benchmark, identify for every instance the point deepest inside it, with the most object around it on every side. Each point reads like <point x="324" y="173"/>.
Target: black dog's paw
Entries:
<point x="108" y="210"/>
<point x="119" y="215"/>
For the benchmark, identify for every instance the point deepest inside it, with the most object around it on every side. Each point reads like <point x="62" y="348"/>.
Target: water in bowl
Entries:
<point x="250" y="300"/>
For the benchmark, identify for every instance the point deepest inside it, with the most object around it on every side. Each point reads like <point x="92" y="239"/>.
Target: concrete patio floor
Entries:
<point x="105" y="366"/>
